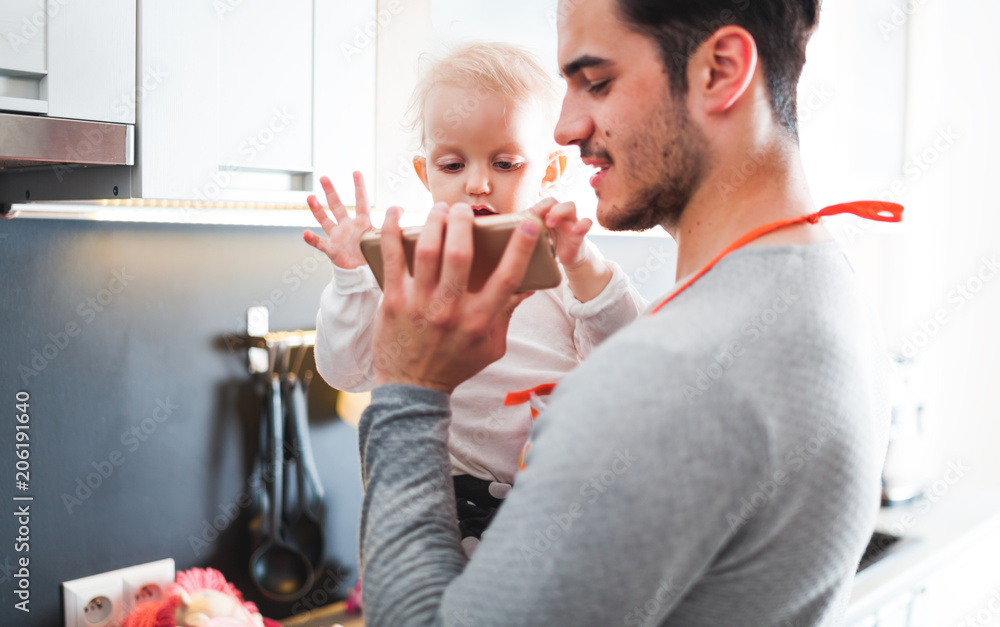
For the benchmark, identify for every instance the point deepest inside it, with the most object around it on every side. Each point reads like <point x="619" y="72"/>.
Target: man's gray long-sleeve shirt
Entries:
<point x="716" y="463"/>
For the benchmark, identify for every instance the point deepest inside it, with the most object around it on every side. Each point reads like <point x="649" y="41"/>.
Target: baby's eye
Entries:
<point x="506" y="165"/>
<point x="451" y="167"/>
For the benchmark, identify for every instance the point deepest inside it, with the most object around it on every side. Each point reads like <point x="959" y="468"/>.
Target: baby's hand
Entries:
<point x="342" y="243"/>
<point x="567" y="232"/>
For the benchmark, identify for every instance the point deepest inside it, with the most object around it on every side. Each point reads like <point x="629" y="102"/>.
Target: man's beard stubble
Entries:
<point x="668" y="162"/>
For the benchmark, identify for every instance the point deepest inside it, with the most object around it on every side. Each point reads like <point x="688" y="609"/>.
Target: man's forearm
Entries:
<point x="410" y="547"/>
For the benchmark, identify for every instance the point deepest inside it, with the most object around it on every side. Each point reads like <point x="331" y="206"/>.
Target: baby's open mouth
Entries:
<point x="483" y="210"/>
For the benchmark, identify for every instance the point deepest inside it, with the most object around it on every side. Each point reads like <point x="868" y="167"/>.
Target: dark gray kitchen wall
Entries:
<point x="143" y="418"/>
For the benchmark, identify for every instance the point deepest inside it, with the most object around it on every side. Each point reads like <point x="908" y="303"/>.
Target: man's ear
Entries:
<point x="555" y="169"/>
<point x="723" y="68"/>
<point x="420" y="165"/>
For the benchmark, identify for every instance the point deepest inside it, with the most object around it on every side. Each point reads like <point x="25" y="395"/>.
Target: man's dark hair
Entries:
<point x="781" y="29"/>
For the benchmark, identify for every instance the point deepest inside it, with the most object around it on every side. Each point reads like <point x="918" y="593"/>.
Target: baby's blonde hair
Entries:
<point x="506" y="70"/>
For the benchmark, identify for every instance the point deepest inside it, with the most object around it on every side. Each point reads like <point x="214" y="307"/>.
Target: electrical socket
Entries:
<point x="146" y="582"/>
<point x="103" y="600"/>
<point x="94" y="601"/>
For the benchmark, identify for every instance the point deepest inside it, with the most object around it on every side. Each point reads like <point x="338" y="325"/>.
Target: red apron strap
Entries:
<point x="519" y="398"/>
<point x="868" y="209"/>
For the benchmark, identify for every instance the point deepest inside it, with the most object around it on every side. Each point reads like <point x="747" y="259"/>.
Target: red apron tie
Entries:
<point x="867" y="209"/>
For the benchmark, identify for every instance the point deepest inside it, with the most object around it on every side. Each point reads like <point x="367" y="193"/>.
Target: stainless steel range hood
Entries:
<point x="44" y="158"/>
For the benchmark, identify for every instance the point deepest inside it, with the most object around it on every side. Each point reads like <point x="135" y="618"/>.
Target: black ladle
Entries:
<point x="280" y="572"/>
<point x="306" y="531"/>
<point x="258" y="480"/>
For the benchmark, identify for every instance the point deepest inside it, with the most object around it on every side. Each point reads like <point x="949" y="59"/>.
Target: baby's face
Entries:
<point x="482" y="152"/>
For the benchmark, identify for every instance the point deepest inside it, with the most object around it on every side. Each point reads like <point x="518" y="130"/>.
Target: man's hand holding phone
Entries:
<point x="490" y="235"/>
<point x="431" y="331"/>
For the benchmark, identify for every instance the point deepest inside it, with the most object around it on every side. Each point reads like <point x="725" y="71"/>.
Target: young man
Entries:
<point x="714" y="463"/>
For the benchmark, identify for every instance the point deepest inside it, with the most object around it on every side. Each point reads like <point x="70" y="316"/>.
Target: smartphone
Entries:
<point x="490" y="235"/>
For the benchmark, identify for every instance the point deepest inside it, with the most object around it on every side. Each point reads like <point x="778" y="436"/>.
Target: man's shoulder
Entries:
<point x="769" y="294"/>
<point x="764" y="318"/>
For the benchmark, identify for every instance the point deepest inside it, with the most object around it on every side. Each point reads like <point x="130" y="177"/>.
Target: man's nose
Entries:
<point x="575" y="125"/>
<point x="478" y="181"/>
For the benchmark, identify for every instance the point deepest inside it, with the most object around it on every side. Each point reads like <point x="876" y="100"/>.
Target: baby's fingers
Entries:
<point x="542" y="208"/>
<point x="582" y="227"/>
<point x="562" y="213"/>
<point x="360" y="196"/>
<point x="322" y="217"/>
<point x="333" y="199"/>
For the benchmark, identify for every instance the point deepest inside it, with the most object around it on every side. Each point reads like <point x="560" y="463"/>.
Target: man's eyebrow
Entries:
<point x="580" y="63"/>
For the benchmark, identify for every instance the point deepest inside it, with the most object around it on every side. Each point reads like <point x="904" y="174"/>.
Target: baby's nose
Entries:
<point x="478" y="181"/>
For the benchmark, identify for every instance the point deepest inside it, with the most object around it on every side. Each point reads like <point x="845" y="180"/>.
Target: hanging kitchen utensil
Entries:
<point x="258" y="476"/>
<point x="280" y="572"/>
<point x="317" y="504"/>
<point x="259" y="481"/>
<point x="306" y="530"/>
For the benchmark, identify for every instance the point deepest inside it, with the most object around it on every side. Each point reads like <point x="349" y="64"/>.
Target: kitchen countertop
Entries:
<point x="934" y="530"/>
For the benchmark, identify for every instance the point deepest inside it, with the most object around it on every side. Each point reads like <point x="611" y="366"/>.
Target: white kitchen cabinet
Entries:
<point x="943" y="574"/>
<point x="22" y="48"/>
<point x="266" y="86"/>
<point x="253" y="99"/>
<point x="70" y="59"/>
<point x="962" y="591"/>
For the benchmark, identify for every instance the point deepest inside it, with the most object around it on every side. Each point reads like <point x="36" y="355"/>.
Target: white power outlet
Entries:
<point x="94" y="601"/>
<point x="146" y="582"/>
<point x="105" y="599"/>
